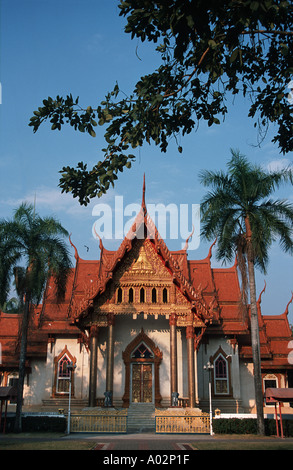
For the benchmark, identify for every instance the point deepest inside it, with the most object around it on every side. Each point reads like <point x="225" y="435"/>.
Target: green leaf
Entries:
<point x="212" y="44"/>
<point x="254" y="6"/>
<point x="159" y="98"/>
<point x="233" y="56"/>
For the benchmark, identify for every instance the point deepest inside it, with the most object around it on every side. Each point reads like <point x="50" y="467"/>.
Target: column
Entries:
<point x="93" y="366"/>
<point x="196" y="376"/>
<point x="110" y="362"/>
<point x="173" y="359"/>
<point x="190" y="360"/>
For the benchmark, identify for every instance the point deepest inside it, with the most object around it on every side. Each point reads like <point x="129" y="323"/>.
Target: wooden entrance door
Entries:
<point x="142" y="383"/>
<point x="142" y="359"/>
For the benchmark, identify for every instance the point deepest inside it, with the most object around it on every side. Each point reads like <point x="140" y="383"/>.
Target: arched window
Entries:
<point x="141" y="295"/>
<point x="62" y="374"/>
<point x="119" y="295"/>
<point x="165" y="295"/>
<point x="221" y="376"/>
<point x="154" y="295"/>
<point x="130" y="295"/>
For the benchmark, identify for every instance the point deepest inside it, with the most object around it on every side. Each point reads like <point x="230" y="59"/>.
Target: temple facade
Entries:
<point x="146" y="325"/>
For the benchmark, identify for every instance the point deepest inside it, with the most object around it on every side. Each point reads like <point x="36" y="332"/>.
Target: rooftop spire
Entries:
<point x="287" y="308"/>
<point x="188" y="238"/>
<point x="75" y="249"/>
<point x="143" y="205"/>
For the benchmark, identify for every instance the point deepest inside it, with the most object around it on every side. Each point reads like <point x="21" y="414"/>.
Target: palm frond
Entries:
<point x="37" y="243"/>
<point x="240" y="193"/>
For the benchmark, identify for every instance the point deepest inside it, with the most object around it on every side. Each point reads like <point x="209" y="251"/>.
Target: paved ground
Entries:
<point x="123" y="442"/>
<point x="134" y="444"/>
<point x="144" y="441"/>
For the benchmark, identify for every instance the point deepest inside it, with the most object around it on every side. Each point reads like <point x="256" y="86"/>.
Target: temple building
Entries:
<point x="141" y="324"/>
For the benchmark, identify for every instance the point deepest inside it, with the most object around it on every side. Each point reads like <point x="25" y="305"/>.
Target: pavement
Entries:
<point x="140" y="448"/>
<point x="144" y="441"/>
<point x="172" y="443"/>
<point x="124" y="442"/>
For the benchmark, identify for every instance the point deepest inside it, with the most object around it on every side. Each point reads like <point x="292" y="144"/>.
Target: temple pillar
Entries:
<point x="93" y="366"/>
<point x="190" y="361"/>
<point x="173" y="359"/>
<point x="110" y="362"/>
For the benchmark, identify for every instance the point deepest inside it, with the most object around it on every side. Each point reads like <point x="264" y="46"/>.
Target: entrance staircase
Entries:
<point x="54" y="404"/>
<point x="141" y="418"/>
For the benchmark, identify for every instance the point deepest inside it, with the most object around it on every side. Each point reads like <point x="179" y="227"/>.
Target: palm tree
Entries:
<point x="31" y="250"/>
<point x="239" y="211"/>
<point x="11" y="306"/>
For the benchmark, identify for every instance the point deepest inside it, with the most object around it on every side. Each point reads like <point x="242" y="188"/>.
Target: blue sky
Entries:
<point x="51" y="47"/>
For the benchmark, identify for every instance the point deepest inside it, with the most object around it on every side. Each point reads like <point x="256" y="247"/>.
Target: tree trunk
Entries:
<point x="22" y="359"/>
<point x="255" y="341"/>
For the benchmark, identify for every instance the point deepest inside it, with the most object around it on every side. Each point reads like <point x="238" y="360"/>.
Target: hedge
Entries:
<point x="249" y="426"/>
<point x="37" y="424"/>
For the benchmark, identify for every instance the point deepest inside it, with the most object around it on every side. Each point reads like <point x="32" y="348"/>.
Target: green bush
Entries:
<point x="44" y="423"/>
<point x="37" y="424"/>
<point x="249" y="426"/>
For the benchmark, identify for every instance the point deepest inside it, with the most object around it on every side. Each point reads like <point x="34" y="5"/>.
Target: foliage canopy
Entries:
<point x="210" y="50"/>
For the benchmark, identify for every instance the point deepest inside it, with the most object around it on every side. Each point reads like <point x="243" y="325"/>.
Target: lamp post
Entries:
<point x="71" y="368"/>
<point x="210" y="367"/>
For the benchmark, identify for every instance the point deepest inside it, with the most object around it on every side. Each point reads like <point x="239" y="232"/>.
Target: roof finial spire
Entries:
<point x="259" y="299"/>
<point x="75" y="249"/>
<point x="188" y="238"/>
<point x="287" y="308"/>
<point x="143" y="205"/>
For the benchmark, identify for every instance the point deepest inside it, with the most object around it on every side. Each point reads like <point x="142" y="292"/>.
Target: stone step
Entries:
<point x="141" y="418"/>
<point x="62" y="403"/>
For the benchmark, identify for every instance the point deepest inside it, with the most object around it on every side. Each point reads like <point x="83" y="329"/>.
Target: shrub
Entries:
<point x="249" y="426"/>
<point x="37" y="423"/>
<point x="44" y="423"/>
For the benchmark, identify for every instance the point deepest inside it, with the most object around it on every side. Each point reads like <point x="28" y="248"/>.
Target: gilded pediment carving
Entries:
<point x="145" y="265"/>
<point x="142" y="264"/>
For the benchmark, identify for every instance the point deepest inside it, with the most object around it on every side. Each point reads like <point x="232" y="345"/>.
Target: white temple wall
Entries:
<point x="37" y="385"/>
<point x="247" y="386"/>
<point x="125" y="331"/>
<point x="41" y="379"/>
<point x="208" y="350"/>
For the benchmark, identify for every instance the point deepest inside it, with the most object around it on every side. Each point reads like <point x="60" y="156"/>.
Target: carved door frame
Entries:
<point x="129" y="360"/>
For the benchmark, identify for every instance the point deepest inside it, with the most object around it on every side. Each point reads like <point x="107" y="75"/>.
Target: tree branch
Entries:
<point x="272" y="31"/>
<point x="189" y="76"/>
